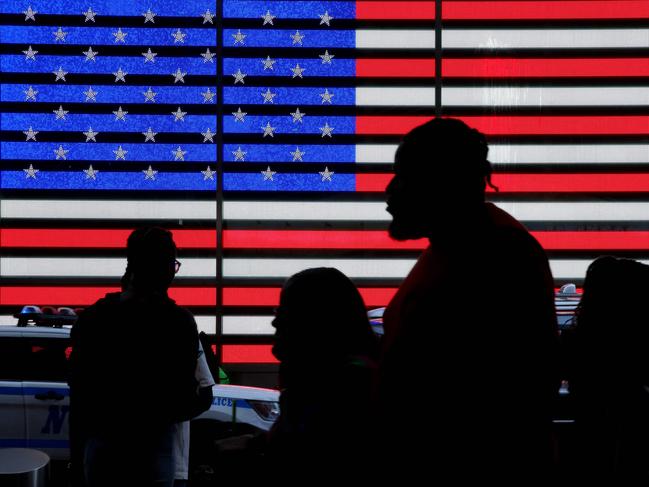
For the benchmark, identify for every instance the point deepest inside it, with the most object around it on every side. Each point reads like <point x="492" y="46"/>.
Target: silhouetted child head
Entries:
<point x="321" y="321"/>
<point x="440" y="174"/>
<point x="151" y="256"/>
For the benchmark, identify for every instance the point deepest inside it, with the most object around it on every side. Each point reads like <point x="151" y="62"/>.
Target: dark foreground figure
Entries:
<point x="608" y="354"/>
<point x="471" y="335"/>
<point x="327" y="355"/>
<point x="132" y="372"/>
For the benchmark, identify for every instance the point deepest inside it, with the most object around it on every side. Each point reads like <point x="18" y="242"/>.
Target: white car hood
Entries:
<point x="244" y="392"/>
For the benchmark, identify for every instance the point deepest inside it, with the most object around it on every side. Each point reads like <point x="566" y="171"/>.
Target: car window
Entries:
<point x="48" y="359"/>
<point x="13" y="356"/>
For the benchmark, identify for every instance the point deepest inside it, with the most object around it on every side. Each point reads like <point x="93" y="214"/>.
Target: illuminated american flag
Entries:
<point x="310" y="99"/>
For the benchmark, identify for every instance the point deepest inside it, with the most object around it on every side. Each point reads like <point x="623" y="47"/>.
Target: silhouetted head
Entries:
<point x="151" y="256"/>
<point x="321" y="321"/>
<point x="440" y="174"/>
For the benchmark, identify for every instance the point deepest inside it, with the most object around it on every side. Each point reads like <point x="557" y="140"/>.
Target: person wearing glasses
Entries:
<point x="132" y="371"/>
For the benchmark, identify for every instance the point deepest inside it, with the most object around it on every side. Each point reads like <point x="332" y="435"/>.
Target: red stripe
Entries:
<point x="519" y="10"/>
<point x="248" y="354"/>
<point x="593" y="240"/>
<point x="269" y="296"/>
<point x="539" y="183"/>
<point x="395" y="68"/>
<point x="84" y="296"/>
<point x="403" y="10"/>
<point x="517" y="125"/>
<point x="544" y="68"/>
<point x="314" y="239"/>
<point x="95" y="238"/>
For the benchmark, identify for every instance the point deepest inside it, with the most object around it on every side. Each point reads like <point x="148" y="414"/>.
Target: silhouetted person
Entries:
<point x="609" y="356"/>
<point x="471" y="336"/>
<point x="132" y="370"/>
<point x="327" y="353"/>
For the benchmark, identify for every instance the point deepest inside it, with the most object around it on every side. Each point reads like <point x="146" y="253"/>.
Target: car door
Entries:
<point x="12" y="408"/>
<point x="47" y="396"/>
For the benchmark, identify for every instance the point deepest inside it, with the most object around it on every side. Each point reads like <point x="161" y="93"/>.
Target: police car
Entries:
<point x="34" y="395"/>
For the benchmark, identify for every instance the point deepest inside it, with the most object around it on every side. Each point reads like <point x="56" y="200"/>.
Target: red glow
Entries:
<point x="269" y="296"/>
<point x="247" y="354"/>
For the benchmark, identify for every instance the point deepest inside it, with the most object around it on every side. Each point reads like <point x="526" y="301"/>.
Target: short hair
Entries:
<point x="149" y="246"/>
<point x="448" y="147"/>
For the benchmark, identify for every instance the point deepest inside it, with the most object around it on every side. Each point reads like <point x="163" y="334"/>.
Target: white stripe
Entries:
<point x="544" y="38"/>
<point x="395" y="96"/>
<point x="371" y="211"/>
<point x="110" y="210"/>
<point x="375" y="153"/>
<point x="544" y="96"/>
<point x="391" y="39"/>
<point x="573" y="269"/>
<point x="248" y="325"/>
<point x="354" y="268"/>
<point x="91" y="267"/>
<point x="8" y="320"/>
<point x="570" y="154"/>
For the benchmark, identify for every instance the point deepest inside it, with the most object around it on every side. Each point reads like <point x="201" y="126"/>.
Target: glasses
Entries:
<point x="176" y="266"/>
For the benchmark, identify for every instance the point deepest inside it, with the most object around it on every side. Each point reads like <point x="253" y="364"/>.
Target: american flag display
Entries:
<point x="262" y="133"/>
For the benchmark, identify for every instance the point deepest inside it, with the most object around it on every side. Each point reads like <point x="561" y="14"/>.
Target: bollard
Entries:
<point x="23" y="467"/>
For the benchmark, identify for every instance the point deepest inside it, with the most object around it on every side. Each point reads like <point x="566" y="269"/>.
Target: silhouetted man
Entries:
<point x="470" y="337"/>
<point x="132" y="371"/>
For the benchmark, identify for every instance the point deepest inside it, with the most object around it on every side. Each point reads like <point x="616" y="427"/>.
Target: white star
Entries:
<point x="59" y="35"/>
<point x="90" y="15"/>
<point x="208" y="135"/>
<point x="149" y="95"/>
<point x="297" y="37"/>
<point x="61" y="153"/>
<point x="149" y="174"/>
<point x="207" y="56"/>
<point x="179" y="115"/>
<point x="208" y="174"/>
<point x="326" y="130"/>
<point x="148" y="16"/>
<point x="208" y="96"/>
<point x="238" y="77"/>
<point x="297" y="115"/>
<point x="60" y="74"/>
<point x="239" y="155"/>
<point x="239" y="37"/>
<point x="90" y="94"/>
<point x="149" y="135"/>
<point x="239" y="116"/>
<point x="268" y="96"/>
<point x="31" y="172"/>
<point x="90" y="135"/>
<point x="120" y="36"/>
<point x="90" y="54"/>
<point x="326" y="174"/>
<point x="268" y="63"/>
<point x="326" y="96"/>
<point x="179" y="154"/>
<point x="149" y="56"/>
<point x="268" y="174"/>
<point x="268" y="130"/>
<point x="325" y="19"/>
<point x="91" y="173"/>
<point x="31" y="134"/>
<point x="297" y="154"/>
<point x="179" y="36"/>
<point x="179" y="76"/>
<point x="297" y="71"/>
<point x="268" y="18"/>
<point x="30" y="54"/>
<point x="120" y="153"/>
<point x="60" y="113"/>
<point x="207" y="17"/>
<point x="120" y="75"/>
<point x="120" y="114"/>
<point x="29" y="13"/>
<point x="326" y="57"/>
<point x="31" y="94"/>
